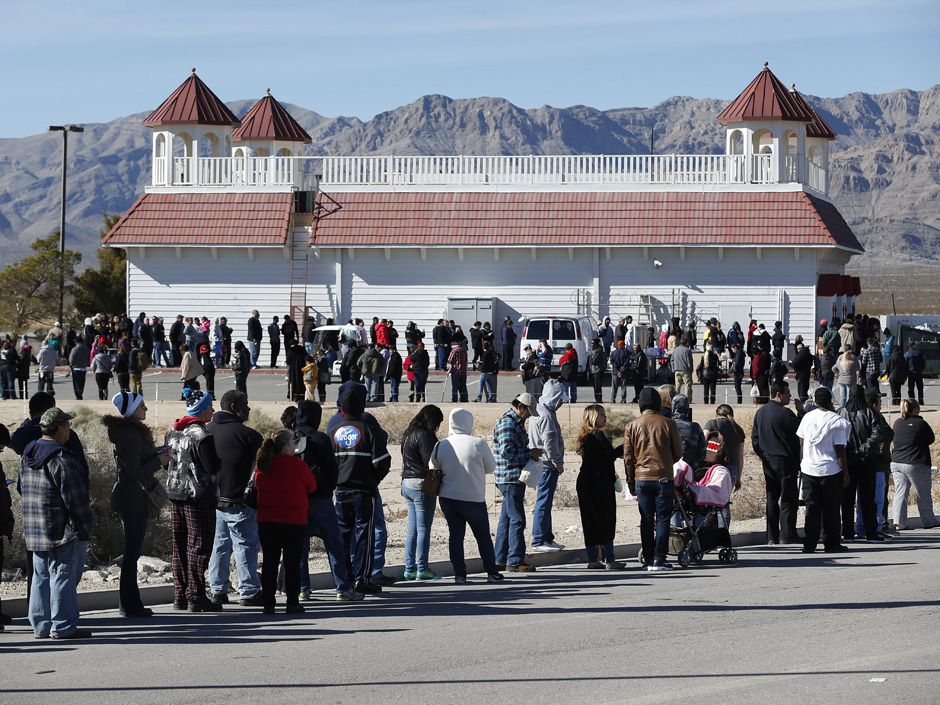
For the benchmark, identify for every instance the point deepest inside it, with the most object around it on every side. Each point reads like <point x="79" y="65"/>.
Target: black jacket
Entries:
<point x="866" y="437"/>
<point x="316" y="448"/>
<point x="362" y="457"/>
<point x="773" y="433"/>
<point x="912" y="439"/>
<point x="416" y="449"/>
<point x="489" y="362"/>
<point x="393" y="370"/>
<point x="254" y="330"/>
<point x="236" y="446"/>
<point x="420" y="360"/>
<point x="137" y="462"/>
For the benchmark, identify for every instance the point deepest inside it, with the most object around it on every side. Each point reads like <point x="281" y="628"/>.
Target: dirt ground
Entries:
<point x="747" y="504"/>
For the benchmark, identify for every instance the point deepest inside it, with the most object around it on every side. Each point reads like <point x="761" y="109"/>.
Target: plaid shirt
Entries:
<point x="512" y="448"/>
<point x="457" y="360"/>
<point x="871" y="360"/>
<point x="56" y="505"/>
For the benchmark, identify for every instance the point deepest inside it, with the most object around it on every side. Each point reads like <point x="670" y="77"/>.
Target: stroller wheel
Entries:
<point x="732" y="556"/>
<point x="685" y="560"/>
<point x="698" y="557"/>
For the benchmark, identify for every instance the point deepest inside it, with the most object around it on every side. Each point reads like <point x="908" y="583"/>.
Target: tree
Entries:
<point x="103" y="290"/>
<point x="29" y="289"/>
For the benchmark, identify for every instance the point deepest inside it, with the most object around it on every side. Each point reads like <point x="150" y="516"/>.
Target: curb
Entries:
<point x="96" y="600"/>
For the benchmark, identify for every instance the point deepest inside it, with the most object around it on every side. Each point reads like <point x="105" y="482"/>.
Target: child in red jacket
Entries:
<point x="283" y="481"/>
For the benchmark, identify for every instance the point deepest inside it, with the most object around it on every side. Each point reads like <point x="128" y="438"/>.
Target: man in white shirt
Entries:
<point x="823" y="436"/>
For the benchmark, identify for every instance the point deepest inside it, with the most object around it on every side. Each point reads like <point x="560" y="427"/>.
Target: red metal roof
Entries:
<point x="268" y="120"/>
<point x="193" y="103"/>
<point x="206" y="219"/>
<point x="765" y="98"/>
<point x="583" y="218"/>
<point x="817" y="127"/>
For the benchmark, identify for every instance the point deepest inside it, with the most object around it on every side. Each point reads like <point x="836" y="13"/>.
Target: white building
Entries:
<point x="235" y="220"/>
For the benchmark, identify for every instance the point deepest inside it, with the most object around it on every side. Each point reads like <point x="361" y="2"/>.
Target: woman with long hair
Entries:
<point x="846" y="374"/>
<point x="137" y="463"/>
<point x="417" y="447"/>
<point x="283" y="481"/>
<point x="544" y="353"/>
<point x="597" y="488"/>
<point x="420" y="362"/>
<point x="910" y="465"/>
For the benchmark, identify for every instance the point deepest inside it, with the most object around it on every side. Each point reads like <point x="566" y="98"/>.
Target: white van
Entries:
<point x="558" y="331"/>
<point x="320" y="336"/>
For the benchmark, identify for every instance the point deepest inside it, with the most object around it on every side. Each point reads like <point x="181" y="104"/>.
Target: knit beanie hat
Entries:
<point x="126" y="403"/>
<point x="196" y="401"/>
<point x="354" y="402"/>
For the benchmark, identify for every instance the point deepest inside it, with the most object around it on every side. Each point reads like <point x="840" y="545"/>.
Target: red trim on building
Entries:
<point x="829" y="285"/>
<point x="204" y="219"/>
<point x="193" y="103"/>
<point x="765" y="98"/>
<point x="637" y="218"/>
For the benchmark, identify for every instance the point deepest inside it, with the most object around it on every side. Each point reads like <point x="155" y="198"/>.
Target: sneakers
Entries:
<point x="304" y="595"/>
<point x="555" y="546"/>
<point x="253" y="601"/>
<point x="294" y="609"/>
<point x="595" y="565"/>
<point x="460" y="580"/>
<point x="204" y="605"/>
<point x="219" y="598"/>
<point x="409" y="575"/>
<point x="368" y="588"/>
<point x="841" y="548"/>
<point x="351" y="596"/>
<point x="659" y="568"/>
<point x="522" y="568"/>
<point x="384" y="580"/>
<point x="493" y="578"/>
<point x="542" y="548"/>
<point x="141" y="613"/>
<point x="615" y="565"/>
<point x="76" y="634"/>
<point x="427" y="575"/>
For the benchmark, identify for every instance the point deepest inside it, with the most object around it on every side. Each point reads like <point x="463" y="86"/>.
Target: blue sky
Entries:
<point x="93" y="61"/>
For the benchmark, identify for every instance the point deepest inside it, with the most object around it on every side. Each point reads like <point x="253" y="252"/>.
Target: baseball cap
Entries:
<point x="53" y="418"/>
<point x="530" y="401"/>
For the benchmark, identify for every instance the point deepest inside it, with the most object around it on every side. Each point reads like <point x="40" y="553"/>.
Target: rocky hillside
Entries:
<point x="885" y="167"/>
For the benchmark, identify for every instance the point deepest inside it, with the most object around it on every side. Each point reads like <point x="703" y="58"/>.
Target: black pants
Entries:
<point x="275" y="540"/>
<point x="915" y="379"/>
<point x="780" y="477"/>
<point x="190" y="384"/>
<point x="135" y="529"/>
<point x="737" y="387"/>
<point x="507" y="358"/>
<point x="802" y="386"/>
<point x="210" y="381"/>
<point x="598" y="379"/>
<point x="78" y="383"/>
<point x="711" y="389"/>
<point x="822" y="495"/>
<point x="124" y="381"/>
<point x="102" y="379"/>
<point x="895" y="385"/>
<point x="241" y="382"/>
<point x="862" y="481"/>
<point x="275" y="351"/>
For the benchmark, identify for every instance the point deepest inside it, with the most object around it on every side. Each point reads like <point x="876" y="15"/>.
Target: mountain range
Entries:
<point x="884" y="176"/>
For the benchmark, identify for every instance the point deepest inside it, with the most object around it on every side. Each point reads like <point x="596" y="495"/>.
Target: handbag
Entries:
<point x="431" y="484"/>
<point x="156" y="500"/>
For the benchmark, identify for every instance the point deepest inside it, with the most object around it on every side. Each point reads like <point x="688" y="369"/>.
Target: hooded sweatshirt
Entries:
<point x="56" y="505"/>
<point x="693" y="438"/>
<point x="464" y="460"/>
<point x="316" y="448"/>
<point x="822" y="430"/>
<point x="544" y="431"/>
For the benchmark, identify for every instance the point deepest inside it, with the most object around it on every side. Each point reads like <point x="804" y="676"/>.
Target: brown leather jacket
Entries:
<point x="651" y="446"/>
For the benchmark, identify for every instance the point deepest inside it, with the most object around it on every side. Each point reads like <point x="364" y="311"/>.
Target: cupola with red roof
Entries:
<point x="768" y="126"/>
<point x="192" y="122"/>
<point x="269" y="130"/>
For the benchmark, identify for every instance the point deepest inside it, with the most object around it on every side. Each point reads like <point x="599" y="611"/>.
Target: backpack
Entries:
<point x="143" y="360"/>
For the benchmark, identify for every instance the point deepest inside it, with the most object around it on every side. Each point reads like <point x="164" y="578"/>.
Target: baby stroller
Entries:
<point x="698" y="525"/>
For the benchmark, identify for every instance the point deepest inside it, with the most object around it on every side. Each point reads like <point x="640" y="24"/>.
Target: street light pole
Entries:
<point x="65" y="130"/>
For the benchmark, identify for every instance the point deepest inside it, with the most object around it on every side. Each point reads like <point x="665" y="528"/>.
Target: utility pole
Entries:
<point x="65" y="130"/>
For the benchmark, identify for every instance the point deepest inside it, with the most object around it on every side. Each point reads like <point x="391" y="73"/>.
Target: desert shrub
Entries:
<point x="395" y="418"/>
<point x="750" y="501"/>
<point x="262" y="423"/>
<point x="566" y="497"/>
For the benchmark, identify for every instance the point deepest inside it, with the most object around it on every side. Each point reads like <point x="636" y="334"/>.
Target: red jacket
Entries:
<point x="759" y="365"/>
<point x="381" y="334"/>
<point x="283" y="490"/>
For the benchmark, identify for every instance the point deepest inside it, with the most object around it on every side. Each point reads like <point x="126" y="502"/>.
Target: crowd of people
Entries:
<point x="231" y="491"/>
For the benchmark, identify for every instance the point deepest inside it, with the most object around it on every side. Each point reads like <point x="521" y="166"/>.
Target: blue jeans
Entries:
<point x="608" y="549"/>
<point x="375" y="390"/>
<point x="441" y="357"/>
<point x="421" y="380"/>
<point x="571" y="392"/>
<point x="53" y="597"/>
<point x="380" y="532"/>
<point x="159" y="354"/>
<point x="655" y="503"/>
<point x="487" y="386"/>
<point x="459" y="514"/>
<point x="8" y="374"/>
<point x="235" y="528"/>
<point x="458" y="387"/>
<point x="135" y="529"/>
<point x="217" y="350"/>
<point x="253" y="350"/>
<point x="542" y="514"/>
<point x="418" y="534"/>
<point x="880" y="480"/>
<point x="355" y="514"/>
<point x="844" y="390"/>
<point x="393" y="385"/>
<point x="510" y="531"/>
<point x="322" y="522"/>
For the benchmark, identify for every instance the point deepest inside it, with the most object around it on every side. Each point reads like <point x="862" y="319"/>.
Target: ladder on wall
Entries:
<point x="299" y="262"/>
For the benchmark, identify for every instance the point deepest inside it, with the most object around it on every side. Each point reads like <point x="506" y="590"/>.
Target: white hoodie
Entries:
<point x="821" y="431"/>
<point x="464" y="459"/>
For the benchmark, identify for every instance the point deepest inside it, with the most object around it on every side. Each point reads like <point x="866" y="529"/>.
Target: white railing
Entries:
<point x="535" y="170"/>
